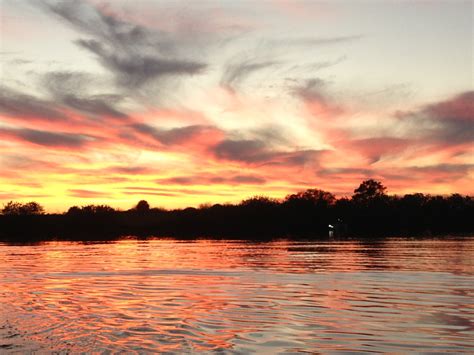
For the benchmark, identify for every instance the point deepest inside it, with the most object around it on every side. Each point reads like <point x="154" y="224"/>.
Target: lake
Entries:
<point x="159" y="295"/>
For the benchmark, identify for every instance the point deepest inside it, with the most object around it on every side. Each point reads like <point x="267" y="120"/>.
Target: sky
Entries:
<point x="182" y="103"/>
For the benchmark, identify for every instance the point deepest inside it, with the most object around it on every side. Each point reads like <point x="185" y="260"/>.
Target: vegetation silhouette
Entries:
<point x="370" y="212"/>
<point x="22" y="209"/>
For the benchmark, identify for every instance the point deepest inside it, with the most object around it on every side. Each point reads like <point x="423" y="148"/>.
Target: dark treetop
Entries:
<point x="311" y="214"/>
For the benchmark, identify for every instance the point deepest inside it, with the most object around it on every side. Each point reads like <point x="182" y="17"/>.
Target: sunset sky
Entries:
<point x="189" y="102"/>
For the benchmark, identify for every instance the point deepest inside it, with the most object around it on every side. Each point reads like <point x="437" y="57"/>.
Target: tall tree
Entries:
<point x="369" y="190"/>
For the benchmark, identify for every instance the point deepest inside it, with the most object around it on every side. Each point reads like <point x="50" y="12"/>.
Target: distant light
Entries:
<point x="331" y="226"/>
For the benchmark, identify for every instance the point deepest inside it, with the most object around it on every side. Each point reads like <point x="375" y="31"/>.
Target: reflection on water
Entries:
<point x="242" y="297"/>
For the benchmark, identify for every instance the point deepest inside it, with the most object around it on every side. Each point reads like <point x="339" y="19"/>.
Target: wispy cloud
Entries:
<point x="134" y="54"/>
<point x="48" y="139"/>
<point x="87" y="193"/>
<point x="234" y="73"/>
<point x="134" y="70"/>
<point x="28" y="107"/>
<point x="315" y="41"/>
<point x="449" y="122"/>
<point x="180" y="135"/>
<point x="443" y="129"/>
<point x="213" y="179"/>
<point x="313" y="93"/>
<point x="69" y="89"/>
<point x="259" y="152"/>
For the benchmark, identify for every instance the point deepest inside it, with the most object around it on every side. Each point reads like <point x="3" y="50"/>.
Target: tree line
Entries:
<point x="370" y="212"/>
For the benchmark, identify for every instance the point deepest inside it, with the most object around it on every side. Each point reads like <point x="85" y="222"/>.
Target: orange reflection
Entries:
<point x="168" y="295"/>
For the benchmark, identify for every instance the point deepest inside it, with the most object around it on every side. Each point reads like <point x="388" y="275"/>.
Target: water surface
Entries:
<point x="238" y="297"/>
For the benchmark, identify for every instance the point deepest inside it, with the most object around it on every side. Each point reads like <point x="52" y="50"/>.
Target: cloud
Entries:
<point x="16" y="104"/>
<point x="246" y="179"/>
<point x="15" y="196"/>
<point x="461" y="108"/>
<point x="152" y="193"/>
<point x="316" y="41"/>
<point x="236" y="72"/>
<point x="448" y="122"/>
<point x="86" y="193"/>
<point x="446" y="168"/>
<point x="96" y="105"/>
<point x="455" y="117"/>
<point x="136" y="190"/>
<point x="334" y="172"/>
<point x="440" y="129"/>
<point x="240" y="68"/>
<point x="254" y="151"/>
<point x="44" y="138"/>
<point x="210" y="179"/>
<point x="298" y="157"/>
<point x="134" y="54"/>
<point x="249" y="151"/>
<point x="313" y="93"/>
<point x="20" y="61"/>
<point x="175" y="136"/>
<point x="423" y="178"/>
<point x="134" y="70"/>
<point x="88" y="19"/>
<point x="130" y="170"/>
<point x="315" y="66"/>
<point x="375" y="148"/>
<point x="68" y="88"/>
<point x="182" y="180"/>
<point x="22" y="162"/>
<point x="405" y="178"/>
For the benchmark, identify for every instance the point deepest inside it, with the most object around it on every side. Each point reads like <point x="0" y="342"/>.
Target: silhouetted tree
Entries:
<point x="259" y="201"/>
<point x="368" y="190"/>
<point x="370" y="212"/>
<point x="307" y="211"/>
<point x="311" y="198"/>
<point x="11" y="208"/>
<point x="343" y="207"/>
<point x="22" y="209"/>
<point x="74" y="211"/>
<point x="90" y="209"/>
<point x="417" y="200"/>
<point x="142" y="206"/>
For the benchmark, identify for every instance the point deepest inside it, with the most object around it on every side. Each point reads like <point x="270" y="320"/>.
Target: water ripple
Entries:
<point x="237" y="297"/>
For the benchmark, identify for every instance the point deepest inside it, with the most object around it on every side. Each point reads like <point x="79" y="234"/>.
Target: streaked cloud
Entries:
<point x="315" y="41"/>
<point x="212" y="179"/>
<point x="450" y="121"/>
<point x="134" y="54"/>
<point x="134" y="70"/>
<point x="69" y="89"/>
<point x="179" y="135"/>
<point x="86" y="193"/>
<point x="28" y="107"/>
<point x="259" y="152"/>
<point x="235" y="73"/>
<point x="313" y="93"/>
<point x="48" y="139"/>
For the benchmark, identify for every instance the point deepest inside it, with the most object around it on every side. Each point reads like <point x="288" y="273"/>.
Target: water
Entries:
<point x="238" y="297"/>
